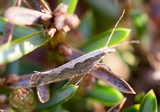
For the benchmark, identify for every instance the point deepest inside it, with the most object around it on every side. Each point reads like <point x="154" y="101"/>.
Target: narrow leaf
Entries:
<point x="105" y="7"/>
<point x="106" y="95"/>
<point x="87" y="25"/>
<point x="149" y="103"/>
<point x="140" y="21"/>
<point x="22" y="46"/>
<point x="139" y="97"/>
<point x="60" y="96"/>
<point x="100" y="40"/>
<point x="133" y="108"/>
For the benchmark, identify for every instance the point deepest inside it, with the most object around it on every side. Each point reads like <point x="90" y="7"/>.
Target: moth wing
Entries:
<point x="112" y="79"/>
<point x="23" y="81"/>
<point x="20" y="15"/>
<point x="43" y="93"/>
<point x="38" y="5"/>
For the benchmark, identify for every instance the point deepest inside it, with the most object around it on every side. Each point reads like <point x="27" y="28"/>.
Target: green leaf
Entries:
<point x="139" y="20"/>
<point x="149" y="103"/>
<point x="57" y="108"/>
<point x="12" y="2"/>
<point x="19" y="30"/>
<point x="71" y="3"/>
<point x="60" y="96"/>
<point x="87" y="24"/>
<point x="22" y="46"/>
<point x="139" y="97"/>
<point x="100" y="40"/>
<point x="106" y="95"/>
<point x="159" y="108"/>
<point x="105" y="7"/>
<point x="133" y="108"/>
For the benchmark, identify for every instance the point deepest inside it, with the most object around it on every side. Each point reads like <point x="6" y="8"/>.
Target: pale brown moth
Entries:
<point x="51" y="24"/>
<point x="82" y="65"/>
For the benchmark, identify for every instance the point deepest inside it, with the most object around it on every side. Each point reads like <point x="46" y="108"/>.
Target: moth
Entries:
<point x="83" y="65"/>
<point x="52" y="22"/>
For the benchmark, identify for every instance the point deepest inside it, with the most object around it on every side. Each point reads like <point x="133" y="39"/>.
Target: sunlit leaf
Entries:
<point x="100" y="40"/>
<point x="139" y="97"/>
<point x="149" y="103"/>
<point x="133" y="108"/>
<point x="22" y="46"/>
<point x="106" y="95"/>
<point x="60" y="96"/>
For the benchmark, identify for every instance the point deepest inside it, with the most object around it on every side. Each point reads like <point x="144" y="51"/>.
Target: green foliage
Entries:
<point x="87" y="25"/>
<point x="133" y="108"/>
<point x="149" y="103"/>
<point x="58" y="97"/>
<point x="107" y="95"/>
<point x="100" y="40"/>
<point x="139" y="20"/>
<point x="27" y="39"/>
<point x="22" y="46"/>
<point x="19" y="30"/>
<point x="139" y="97"/>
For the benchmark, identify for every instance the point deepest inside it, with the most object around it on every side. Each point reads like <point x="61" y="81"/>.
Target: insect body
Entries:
<point x="77" y="66"/>
<point x="81" y="65"/>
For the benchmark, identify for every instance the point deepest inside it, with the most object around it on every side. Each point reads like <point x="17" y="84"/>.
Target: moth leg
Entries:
<point x="80" y="79"/>
<point x="43" y="93"/>
<point x="103" y="65"/>
<point x="69" y="81"/>
<point x="93" y="67"/>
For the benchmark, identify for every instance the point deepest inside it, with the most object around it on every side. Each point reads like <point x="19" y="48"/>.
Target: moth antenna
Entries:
<point x="129" y="42"/>
<point x="115" y="28"/>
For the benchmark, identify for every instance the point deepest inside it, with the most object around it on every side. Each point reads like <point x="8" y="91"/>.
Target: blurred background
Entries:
<point x="139" y="64"/>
